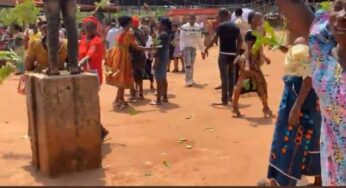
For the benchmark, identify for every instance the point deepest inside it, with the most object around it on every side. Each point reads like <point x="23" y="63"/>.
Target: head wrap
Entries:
<point x="95" y="21"/>
<point x="91" y="19"/>
<point x="135" y="21"/>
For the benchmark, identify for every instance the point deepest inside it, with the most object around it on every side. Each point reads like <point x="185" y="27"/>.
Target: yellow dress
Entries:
<point x="37" y="56"/>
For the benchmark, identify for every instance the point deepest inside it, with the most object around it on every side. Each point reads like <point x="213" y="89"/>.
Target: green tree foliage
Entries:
<point x="24" y="13"/>
<point x="12" y="60"/>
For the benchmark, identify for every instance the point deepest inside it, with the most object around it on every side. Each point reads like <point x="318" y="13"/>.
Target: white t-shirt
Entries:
<point x="148" y="44"/>
<point x="244" y="28"/>
<point x="191" y="36"/>
<point x="111" y="36"/>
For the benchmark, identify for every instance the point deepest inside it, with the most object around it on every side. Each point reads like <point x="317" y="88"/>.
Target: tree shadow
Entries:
<point x="84" y="178"/>
<point x="229" y="106"/>
<point x="259" y="121"/>
<point x="107" y="147"/>
<point x="167" y="107"/>
<point x="199" y="86"/>
<point x="130" y="110"/>
<point x="15" y="156"/>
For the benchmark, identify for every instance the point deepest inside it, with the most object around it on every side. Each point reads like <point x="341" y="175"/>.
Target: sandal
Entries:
<point x="268" y="113"/>
<point x="236" y="113"/>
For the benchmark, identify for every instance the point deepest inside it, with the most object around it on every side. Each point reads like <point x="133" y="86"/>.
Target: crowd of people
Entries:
<point x="309" y="136"/>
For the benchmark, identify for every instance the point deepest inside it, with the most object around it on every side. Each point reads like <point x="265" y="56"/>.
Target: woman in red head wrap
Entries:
<point x="91" y="52"/>
<point x="91" y="48"/>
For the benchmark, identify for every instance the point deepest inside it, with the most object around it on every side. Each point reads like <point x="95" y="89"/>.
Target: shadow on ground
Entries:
<point x="86" y="178"/>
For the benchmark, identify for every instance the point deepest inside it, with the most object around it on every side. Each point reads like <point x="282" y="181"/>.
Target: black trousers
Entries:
<point x="226" y="67"/>
<point x="68" y="9"/>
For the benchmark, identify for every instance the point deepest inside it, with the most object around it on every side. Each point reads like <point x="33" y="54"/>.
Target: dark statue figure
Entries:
<point x="68" y="9"/>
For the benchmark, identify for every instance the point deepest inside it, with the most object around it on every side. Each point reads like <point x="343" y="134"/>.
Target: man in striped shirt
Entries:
<point x="190" y="41"/>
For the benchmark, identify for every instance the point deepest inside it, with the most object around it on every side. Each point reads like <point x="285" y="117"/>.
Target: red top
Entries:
<point x="96" y="51"/>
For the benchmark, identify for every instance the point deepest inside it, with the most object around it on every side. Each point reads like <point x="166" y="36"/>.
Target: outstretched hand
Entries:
<point x="83" y="62"/>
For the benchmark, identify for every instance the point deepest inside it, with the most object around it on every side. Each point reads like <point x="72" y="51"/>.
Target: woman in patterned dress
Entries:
<point x="327" y="40"/>
<point x="295" y="147"/>
<point x="250" y="68"/>
<point x="119" y="68"/>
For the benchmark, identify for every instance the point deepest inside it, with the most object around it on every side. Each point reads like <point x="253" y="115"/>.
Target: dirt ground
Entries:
<point x="225" y="150"/>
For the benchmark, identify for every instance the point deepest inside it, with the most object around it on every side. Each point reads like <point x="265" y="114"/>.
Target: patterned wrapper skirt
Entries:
<point x="295" y="150"/>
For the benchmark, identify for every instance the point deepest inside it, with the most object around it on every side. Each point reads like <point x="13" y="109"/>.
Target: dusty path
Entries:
<point x="225" y="151"/>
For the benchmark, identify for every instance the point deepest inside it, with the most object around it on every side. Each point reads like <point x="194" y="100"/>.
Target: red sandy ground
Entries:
<point x="225" y="150"/>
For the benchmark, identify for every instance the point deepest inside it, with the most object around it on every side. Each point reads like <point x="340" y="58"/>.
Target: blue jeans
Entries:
<point x="189" y="55"/>
<point x="226" y="67"/>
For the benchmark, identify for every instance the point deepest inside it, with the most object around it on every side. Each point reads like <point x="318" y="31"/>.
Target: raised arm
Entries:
<point x="298" y="15"/>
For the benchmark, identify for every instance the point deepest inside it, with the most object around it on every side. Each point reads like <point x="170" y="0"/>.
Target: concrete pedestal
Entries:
<point x="64" y="122"/>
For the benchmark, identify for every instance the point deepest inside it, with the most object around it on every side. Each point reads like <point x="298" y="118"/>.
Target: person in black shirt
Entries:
<point x="230" y="44"/>
<point x="138" y="61"/>
<point x="162" y="60"/>
<point x="253" y="60"/>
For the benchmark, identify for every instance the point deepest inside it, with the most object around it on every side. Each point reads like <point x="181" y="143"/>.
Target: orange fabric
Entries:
<point x="96" y="51"/>
<point x="118" y="62"/>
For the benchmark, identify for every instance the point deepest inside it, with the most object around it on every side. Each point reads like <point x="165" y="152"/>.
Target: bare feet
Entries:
<point x="165" y="100"/>
<point x="236" y="113"/>
<point x="268" y="113"/>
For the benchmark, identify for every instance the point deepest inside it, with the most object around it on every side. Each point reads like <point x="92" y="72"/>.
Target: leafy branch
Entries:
<point x="22" y="14"/>
<point x="270" y="39"/>
<point x="12" y="61"/>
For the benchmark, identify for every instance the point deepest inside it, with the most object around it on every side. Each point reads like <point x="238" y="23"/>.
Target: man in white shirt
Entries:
<point x="241" y="24"/>
<point x="111" y="36"/>
<point x="190" y="41"/>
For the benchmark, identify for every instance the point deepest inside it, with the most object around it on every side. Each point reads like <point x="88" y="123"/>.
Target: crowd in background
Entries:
<point x="129" y="50"/>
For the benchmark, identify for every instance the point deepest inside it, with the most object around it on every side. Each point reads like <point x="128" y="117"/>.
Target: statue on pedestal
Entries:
<point x="68" y="9"/>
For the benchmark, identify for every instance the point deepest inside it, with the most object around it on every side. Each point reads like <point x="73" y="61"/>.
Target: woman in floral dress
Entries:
<point x="327" y="40"/>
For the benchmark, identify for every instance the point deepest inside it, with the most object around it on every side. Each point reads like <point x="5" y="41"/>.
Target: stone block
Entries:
<point x="64" y="122"/>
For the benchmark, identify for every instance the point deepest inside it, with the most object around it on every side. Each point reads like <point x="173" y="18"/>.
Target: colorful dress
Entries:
<point x="94" y="49"/>
<point x="296" y="150"/>
<point x="119" y="68"/>
<point x="329" y="82"/>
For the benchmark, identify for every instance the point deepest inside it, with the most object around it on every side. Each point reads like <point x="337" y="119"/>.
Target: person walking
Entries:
<point x="230" y="44"/>
<point x="190" y="42"/>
